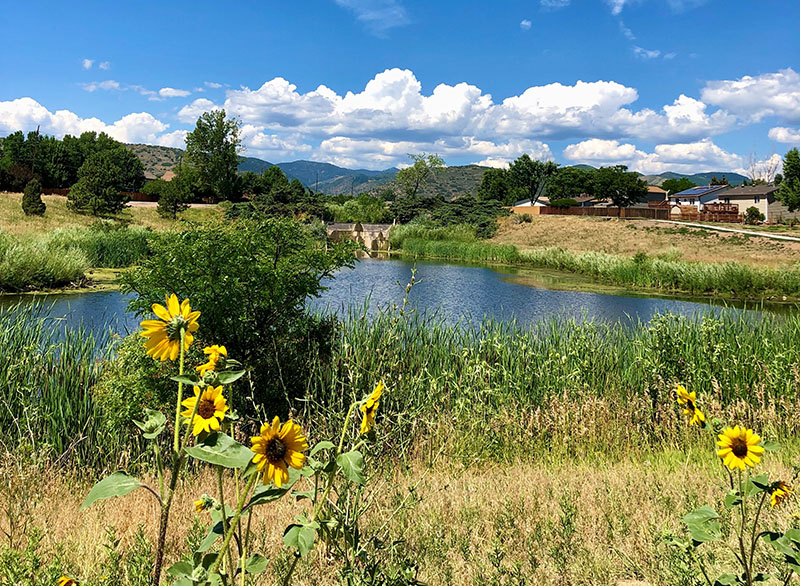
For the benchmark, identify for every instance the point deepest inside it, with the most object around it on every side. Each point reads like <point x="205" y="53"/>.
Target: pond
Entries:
<point x="459" y="293"/>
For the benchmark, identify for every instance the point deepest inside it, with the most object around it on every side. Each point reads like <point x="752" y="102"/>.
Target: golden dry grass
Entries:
<point x="626" y="238"/>
<point x="571" y="523"/>
<point x="14" y="221"/>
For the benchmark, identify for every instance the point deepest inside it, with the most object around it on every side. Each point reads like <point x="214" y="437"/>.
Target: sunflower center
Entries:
<point x="275" y="450"/>
<point x="174" y="327"/>
<point x="739" y="447"/>
<point x="206" y="409"/>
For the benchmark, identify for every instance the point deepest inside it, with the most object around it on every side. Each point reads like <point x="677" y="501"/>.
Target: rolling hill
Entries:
<point x="332" y="179"/>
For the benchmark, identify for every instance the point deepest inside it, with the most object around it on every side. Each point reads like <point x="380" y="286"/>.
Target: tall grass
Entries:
<point x="47" y="372"/>
<point x="61" y="257"/>
<point x="415" y="230"/>
<point x="730" y="278"/>
<point x="604" y="388"/>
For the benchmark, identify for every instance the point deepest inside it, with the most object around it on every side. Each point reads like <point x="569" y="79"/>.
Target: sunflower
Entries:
<point x="164" y="334"/>
<point x="66" y="581"/>
<point x="689" y="403"/>
<point x="210" y="410"/>
<point x="204" y="503"/>
<point x="739" y="448"/>
<point x="277" y="448"/>
<point x="370" y="407"/>
<point x="780" y="494"/>
<point x="214" y="353"/>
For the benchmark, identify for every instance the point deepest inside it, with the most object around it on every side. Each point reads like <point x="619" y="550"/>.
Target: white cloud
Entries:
<point x="554" y="4"/>
<point x="377" y="16"/>
<point x="616" y="5"/>
<point x="87" y="63"/>
<point x="171" y="92"/>
<point x="525" y="24"/>
<point x="105" y="65"/>
<point x="191" y="112"/>
<point x="646" y="54"/>
<point x="692" y="157"/>
<point x="107" y="85"/>
<point x="670" y="55"/>
<point x="212" y="84"/>
<point x="176" y="138"/>
<point x="757" y="97"/>
<point x="27" y="113"/>
<point x="626" y="31"/>
<point x="785" y="135"/>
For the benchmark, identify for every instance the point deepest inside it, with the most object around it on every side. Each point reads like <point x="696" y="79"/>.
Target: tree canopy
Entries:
<point x="102" y="179"/>
<point x="213" y="149"/>
<point x="677" y="185"/>
<point x="423" y="167"/>
<point x="622" y="187"/>
<point x="530" y="177"/>
<point x="789" y="192"/>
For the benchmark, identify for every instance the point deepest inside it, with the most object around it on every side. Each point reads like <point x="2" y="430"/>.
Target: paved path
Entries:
<point x="734" y="230"/>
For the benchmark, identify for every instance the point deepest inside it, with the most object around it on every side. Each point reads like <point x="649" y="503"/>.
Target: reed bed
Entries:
<point x="729" y="278"/>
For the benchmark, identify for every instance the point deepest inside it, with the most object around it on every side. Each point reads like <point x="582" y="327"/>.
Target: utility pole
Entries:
<point x="35" y="149"/>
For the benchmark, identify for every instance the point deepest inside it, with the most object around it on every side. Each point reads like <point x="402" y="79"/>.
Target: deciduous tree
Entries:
<point x="530" y="177"/>
<point x="789" y="192"/>
<point x="423" y="167"/>
<point x="213" y="148"/>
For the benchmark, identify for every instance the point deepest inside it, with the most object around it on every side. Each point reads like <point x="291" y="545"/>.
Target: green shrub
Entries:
<point x="102" y="181"/>
<point x="32" y="203"/>
<point x="753" y="216"/>
<point x="564" y="202"/>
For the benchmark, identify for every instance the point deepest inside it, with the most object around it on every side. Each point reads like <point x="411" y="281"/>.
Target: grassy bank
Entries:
<point x="732" y="279"/>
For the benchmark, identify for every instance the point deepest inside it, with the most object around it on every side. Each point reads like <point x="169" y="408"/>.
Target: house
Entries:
<point x="761" y="197"/>
<point x="542" y="201"/>
<point x="655" y="193"/>
<point x="697" y="197"/>
<point x="168" y="176"/>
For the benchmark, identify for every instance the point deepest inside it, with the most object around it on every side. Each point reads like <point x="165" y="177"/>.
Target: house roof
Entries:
<point x="655" y="189"/>
<point x="169" y="175"/>
<point x="341" y="227"/>
<point x="751" y="190"/>
<point x="698" y="191"/>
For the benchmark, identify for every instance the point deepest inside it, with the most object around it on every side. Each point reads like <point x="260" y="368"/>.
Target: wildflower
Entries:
<point x="689" y="402"/>
<point x="66" y="581"/>
<point x="204" y="503"/>
<point x="164" y="334"/>
<point x="780" y="494"/>
<point x="214" y="353"/>
<point x="739" y="448"/>
<point x="370" y="407"/>
<point x="211" y="409"/>
<point x="278" y="447"/>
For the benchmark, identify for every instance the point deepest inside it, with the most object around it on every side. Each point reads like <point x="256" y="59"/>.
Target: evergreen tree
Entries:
<point x="32" y="203"/>
<point x="789" y="192"/>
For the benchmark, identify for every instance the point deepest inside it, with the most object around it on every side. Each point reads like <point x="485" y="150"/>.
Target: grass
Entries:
<point x="665" y="273"/>
<point x="627" y="238"/>
<point x="15" y="223"/>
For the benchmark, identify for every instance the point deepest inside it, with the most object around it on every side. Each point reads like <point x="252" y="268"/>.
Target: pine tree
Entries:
<point x="32" y="203"/>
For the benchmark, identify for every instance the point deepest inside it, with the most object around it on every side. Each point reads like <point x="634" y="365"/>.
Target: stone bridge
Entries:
<point x="372" y="236"/>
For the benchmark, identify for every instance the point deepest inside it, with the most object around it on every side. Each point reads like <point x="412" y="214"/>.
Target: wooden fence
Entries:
<point x="650" y="213"/>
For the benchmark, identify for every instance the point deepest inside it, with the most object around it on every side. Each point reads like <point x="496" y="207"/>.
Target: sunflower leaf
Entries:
<point x="771" y="446"/>
<point x="256" y="564"/>
<point x="227" y="377"/>
<point x="187" y="380"/>
<point x="214" y="533"/>
<point x="702" y="525"/>
<point x="118" y="484"/>
<point x="323" y="445"/>
<point x="300" y="536"/>
<point x="352" y="466"/>
<point x="154" y="424"/>
<point x="221" y="450"/>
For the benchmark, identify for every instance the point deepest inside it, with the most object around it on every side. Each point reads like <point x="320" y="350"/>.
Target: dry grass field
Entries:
<point x="14" y="222"/>
<point x="590" y="523"/>
<point x="626" y="238"/>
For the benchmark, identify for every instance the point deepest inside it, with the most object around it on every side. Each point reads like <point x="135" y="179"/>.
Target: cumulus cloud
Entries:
<point x="785" y="135"/>
<point x="87" y="63"/>
<point x="171" y="92"/>
<point x="757" y="97"/>
<point x="378" y="16"/>
<point x="692" y="157"/>
<point x="27" y="113"/>
<point x="212" y="84"/>
<point x="525" y="24"/>
<point x="191" y="112"/>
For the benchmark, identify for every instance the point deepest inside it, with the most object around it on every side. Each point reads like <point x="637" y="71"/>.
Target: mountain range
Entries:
<point x="334" y="180"/>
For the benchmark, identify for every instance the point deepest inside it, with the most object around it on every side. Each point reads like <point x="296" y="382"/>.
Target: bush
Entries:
<point x="753" y="216"/>
<point x="564" y="202"/>
<point x="32" y="203"/>
<point x="250" y="281"/>
<point x="102" y="179"/>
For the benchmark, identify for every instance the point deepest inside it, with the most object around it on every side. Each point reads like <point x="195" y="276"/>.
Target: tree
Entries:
<point x="102" y="179"/>
<point x="530" y="177"/>
<point x="32" y="203"/>
<point x="496" y="185"/>
<point x="789" y="192"/>
<point x="623" y="188"/>
<point x="423" y="167"/>
<point x="753" y="216"/>
<point x="213" y="148"/>
<point x="569" y="183"/>
<point x="673" y="186"/>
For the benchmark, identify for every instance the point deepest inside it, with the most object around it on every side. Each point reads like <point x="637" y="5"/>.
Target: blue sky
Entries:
<point x="683" y="85"/>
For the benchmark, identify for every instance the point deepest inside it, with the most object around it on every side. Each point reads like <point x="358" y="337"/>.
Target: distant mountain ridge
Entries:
<point x="450" y="182"/>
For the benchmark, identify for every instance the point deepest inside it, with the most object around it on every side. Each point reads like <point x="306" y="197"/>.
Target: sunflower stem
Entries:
<point x="180" y="396"/>
<point x="225" y="527"/>
<point x="741" y="532"/>
<point x="234" y="521"/>
<point x="332" y="474"/>
<point x="753" y="539"/>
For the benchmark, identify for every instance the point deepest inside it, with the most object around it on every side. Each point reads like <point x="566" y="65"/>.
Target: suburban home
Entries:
<point x="761" y="197"/>
<point x="542" y="201"/>
<point x="655" y="193"/>
<point x="697" y="197"/>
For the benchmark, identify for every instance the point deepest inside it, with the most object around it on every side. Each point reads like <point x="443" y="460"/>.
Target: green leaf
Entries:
<point x="187" y="380"/>
<point x="758" y="484"/>
<point x="700" y="515"/>
<point x="732" y="499"/>
<point x="155" y="422"/>
<point x="214" y="533"/>
<point x="182" y="569"/>
<point x="267" y="493"/>
<point x="221" y="450"/>
<point x="227" y="377"/>
<point x="727" y="580"/>
<point x="702" y="525"/>
<point x="300" y="536"/>
<point x="771" y="446"/>
<point x="255" y="564"/>
<point x="323" y="445"/>
<point x="352" y="466"/>
<point x="309" y="494"/>
<point x="118" y="484"/>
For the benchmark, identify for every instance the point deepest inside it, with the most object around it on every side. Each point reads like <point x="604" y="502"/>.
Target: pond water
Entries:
<point x="459" y="293"/>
